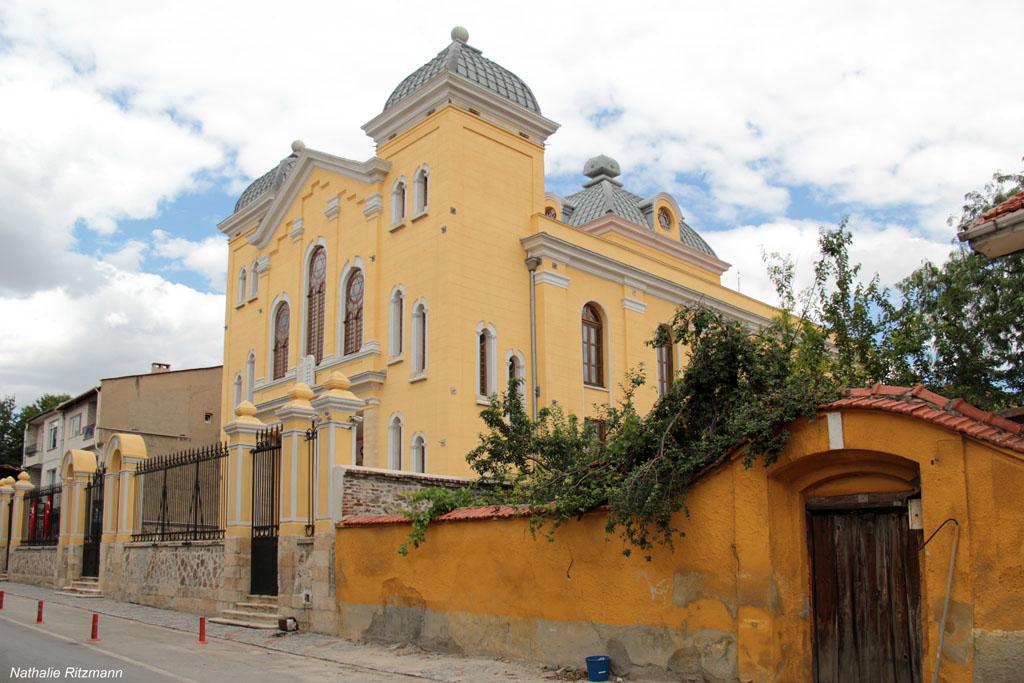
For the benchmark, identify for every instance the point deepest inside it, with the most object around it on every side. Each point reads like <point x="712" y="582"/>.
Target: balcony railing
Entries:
<point x="88" y="431"/>
<point x="30" y="451"/>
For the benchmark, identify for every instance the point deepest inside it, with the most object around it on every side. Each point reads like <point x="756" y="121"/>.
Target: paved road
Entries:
<point x="148" y="653"/>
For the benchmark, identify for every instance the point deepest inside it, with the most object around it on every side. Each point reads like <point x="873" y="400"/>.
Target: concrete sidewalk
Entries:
<point x="363" y="661"/>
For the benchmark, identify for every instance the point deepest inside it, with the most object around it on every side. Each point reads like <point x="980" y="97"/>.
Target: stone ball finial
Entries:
<point x="300" y="392"/>
<point x="460" y="34"/>
<point x="7" y="481"/>
<point x="602" y="164"/>
<point x="245" y="409"/>
<point x="337" y="380"/>
<point x="298" y="146"/>
<point x="23" y="476"/>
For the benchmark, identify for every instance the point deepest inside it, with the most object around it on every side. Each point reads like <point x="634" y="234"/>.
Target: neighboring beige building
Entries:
<point x="170" y="409"/>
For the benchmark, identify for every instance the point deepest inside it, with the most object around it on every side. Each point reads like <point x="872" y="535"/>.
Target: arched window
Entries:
<point x="419" y="453"/>
<point x="517" y="372"/>
<point x="666" y="366"/>
<point x="238" y="388"/>
<point x="395" y="443"/>
<point x="398" y="202"/>
<point x="241" y="286"/>
<point x="354" y="312"/>
<point x="551" y="212"/>
<point x="395" y="327"/>
<point x="254" y="286"/>
<point x="664" y="218"/>
<point x="421" y="190"/>
<point x="315" y="300"/>
<point x="593" y="347"/>
<point x="281" y="323"/>
<point x="250" y="376"/>
<point x="419" y="338"/>
<point x="357" y="437"/>
<point x="486" y="383"/>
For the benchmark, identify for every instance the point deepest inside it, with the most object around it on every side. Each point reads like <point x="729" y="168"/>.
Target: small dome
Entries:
<point x="270" y="181"/>
<point x="461" y="59"/>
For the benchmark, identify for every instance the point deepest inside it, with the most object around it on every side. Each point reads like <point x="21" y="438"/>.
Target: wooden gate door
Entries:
<point x="266" y="511"/>
<point x="866" y="591"/>
<point x="93" y="525"/>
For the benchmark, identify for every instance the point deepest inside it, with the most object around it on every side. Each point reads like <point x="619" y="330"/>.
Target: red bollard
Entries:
<point x="95" y="628"/>
<point x="202" y="630"/>
<point x="39" y="613"/>
<point x="1" y="599"/>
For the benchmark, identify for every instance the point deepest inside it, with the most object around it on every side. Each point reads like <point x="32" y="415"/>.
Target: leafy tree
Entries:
<point x="12" y="423"/>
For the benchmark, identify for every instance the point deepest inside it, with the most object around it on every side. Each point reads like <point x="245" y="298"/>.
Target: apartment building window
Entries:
<point x="53" y="436"/>
<point x="315" y="298"/>
<point x="76" y="425"/>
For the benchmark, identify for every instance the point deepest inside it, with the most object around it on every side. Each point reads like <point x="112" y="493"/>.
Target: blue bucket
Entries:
<point x="598" y="667"/>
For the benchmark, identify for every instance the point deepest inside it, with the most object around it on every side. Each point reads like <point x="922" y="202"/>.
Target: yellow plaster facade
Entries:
<point x="466" y="257"/>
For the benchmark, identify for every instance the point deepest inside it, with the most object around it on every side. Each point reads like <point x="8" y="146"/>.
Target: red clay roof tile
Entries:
<point x="1014" y="203"/>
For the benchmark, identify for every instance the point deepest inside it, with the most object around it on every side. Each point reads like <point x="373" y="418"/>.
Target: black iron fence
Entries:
<point x="182" y="496"/>
<point x="41" y="521"/>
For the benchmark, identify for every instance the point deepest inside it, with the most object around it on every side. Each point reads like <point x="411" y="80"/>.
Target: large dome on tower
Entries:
<point x="468" y="62"/>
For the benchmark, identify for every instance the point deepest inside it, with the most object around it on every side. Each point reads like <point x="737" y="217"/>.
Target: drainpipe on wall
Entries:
<point x="532" y="263"/>
<point x="949" y="590"/>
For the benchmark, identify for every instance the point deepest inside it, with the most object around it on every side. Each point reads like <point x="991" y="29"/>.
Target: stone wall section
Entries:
<point x="367" y="491"/>
<point x="36" y="565"/>
<point x="188" y="577"/>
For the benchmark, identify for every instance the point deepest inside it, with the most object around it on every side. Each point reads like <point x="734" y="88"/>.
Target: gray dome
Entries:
<point x="468" y="62"/>
<point x="270" y="181"/>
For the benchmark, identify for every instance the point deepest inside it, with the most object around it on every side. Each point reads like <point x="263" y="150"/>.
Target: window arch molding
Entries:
<point x="237" y="395"/>
<point x="519" y="371"/>
<point x="486" y="344"/>
<point x="396" y="431"/>
<point x="254" y="279"/>
<point x="419" y="338"/>
<point x="421" y="191"/>
<point x="399" y="201"/>
<point x="280" y="299"/>
<point x="250" y="376"/>
<point x="418" y="452"/>
<point x="348" y="269"/>
<point x="397" y="302"/>
<point x="594" y="336"/>
<point x="241" y="293"/>
<point x="306" y="264"/>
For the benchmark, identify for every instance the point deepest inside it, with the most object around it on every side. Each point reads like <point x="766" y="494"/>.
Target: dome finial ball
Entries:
<point x="298" y="146"/>
<point x="460" y="34"/>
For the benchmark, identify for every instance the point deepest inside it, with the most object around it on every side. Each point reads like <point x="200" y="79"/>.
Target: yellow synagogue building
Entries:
<point x="431" y="273"/>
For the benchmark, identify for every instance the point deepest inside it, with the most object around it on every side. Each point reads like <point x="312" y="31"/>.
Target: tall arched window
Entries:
<point x="250" y="376"/>
<point x="354" y="312"/>
<point x="593" y="347"/>
<point x="419" y="338"/>
<point x="486" y="381"/>
<point x="517" y="373"/>
<point x="421" y="190"/>
<point x="419" y="453"/>
<point x="395" y="327"/>
<point x="254" y="285"/>
<point x="666" y="366"/>
<point x="395" y="443"/>
<point x="238" y="388"/>
<point x="281" y="323"/>
<point x="315" y="300"/>
<point x="241" y="286"/>
<point x="398" y="202"/>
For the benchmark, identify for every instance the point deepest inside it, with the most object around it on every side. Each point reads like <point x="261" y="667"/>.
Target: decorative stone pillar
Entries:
<point x="77" y="469"/>
<point x="122" y="456"/>
<point x="335" y="447"/>
<point x="21" y="486"/>
<point x="241" y="435"/>
<point x="6" y="495"/>
<point x="295" y="540"/>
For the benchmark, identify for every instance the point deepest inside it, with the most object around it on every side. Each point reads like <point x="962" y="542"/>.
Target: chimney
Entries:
<point x="159" y="367"/>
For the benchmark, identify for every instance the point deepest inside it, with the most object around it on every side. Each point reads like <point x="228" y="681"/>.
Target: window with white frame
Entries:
<point x="419" y="453"/>
<point x="250" y="376"/>
<point x="254" y="285"/>
<point x="395" y="326"/>
<point x="395" y="443"/>
<point x="398" y="202"/>
<point x="486" y="352"/>
<point x="517" y="373"/>
<point x="421" y="190"/>
<point x="238" y="389"/>
<point x="241" y="286"/>
<point x="76" y="424"/>
<point x="419" y="338"/>
<point x="53" y="435"/>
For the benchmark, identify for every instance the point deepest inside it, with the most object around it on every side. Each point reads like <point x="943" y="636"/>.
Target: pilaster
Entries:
<point x="6" y="496"/>
<point x="21" y="486"/>
<point x="241" y="435"/>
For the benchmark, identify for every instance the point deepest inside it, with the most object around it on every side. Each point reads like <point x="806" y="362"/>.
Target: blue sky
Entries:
<point x="128" y="130"/>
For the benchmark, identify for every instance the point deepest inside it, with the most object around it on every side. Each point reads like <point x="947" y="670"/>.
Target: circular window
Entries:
<point x="665" y="218"/>
<point x="355" y="288"/>
<point x="319" y="265"/>
<point x="551" y="213"/>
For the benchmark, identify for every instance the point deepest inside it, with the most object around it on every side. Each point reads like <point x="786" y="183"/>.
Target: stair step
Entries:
<point x="268" y="599"/>
<point x="77" y="594"/>
<point x="256" y="606"/>
<point x="256" y="617"/>
<point x="239" y="622"/>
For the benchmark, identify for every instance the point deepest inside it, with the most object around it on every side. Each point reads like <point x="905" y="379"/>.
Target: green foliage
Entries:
<point x="12" y="423"/>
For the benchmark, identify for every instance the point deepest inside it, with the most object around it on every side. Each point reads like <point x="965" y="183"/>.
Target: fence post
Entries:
<point x="6" y="495"/>
<point x="237" y="510"/>
<point x="76" y="468"/>
<point x="21" y="487"/>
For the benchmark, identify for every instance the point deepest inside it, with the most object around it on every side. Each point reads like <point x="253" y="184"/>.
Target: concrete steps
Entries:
<point x="258" y="611"/>
<point x="85" y="587"/>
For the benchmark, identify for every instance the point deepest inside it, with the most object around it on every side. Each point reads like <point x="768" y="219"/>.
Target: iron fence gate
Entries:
<point x="266" y="511"/>
<point x="93" y="524"/>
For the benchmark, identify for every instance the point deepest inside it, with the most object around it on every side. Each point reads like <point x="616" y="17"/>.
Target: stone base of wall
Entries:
<point x="306" y="564"/>
<point x="36" y="565"/>
<point x="366" y="491"/>
<point x="183" y="576"/>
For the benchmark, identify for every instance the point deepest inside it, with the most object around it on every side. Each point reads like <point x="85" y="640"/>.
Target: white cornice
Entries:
<point x="448" y="88"/>
<point x="544" y="245"/>
<point x="634" y="304"/>
<point x="546" y="277"/>
<point x="243" y="220"/>
<point x="618" y="225"/>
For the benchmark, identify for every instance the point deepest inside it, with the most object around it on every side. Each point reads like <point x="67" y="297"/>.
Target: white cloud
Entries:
<point x="208" y="257"/>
